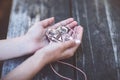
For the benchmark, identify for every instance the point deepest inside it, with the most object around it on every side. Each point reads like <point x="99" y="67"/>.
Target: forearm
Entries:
<point x="12" y="48"/>
<point x="27" y="70"/>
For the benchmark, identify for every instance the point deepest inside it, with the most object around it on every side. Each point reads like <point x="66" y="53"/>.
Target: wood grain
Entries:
<point x="99" y="53"/>
<point x="100" y="59"/>
<point x="5" y="8"/>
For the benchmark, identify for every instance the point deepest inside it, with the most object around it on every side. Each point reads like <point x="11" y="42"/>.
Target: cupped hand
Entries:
<point x="36" y="34"/>
<point x="61" y="50"/>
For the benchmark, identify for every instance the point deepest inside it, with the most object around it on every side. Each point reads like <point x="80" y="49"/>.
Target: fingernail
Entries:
<point x="77" y="41"/>
<point x="71" y="19"/>
<point x="70" y="38"/>
<point x="51" y="18"/>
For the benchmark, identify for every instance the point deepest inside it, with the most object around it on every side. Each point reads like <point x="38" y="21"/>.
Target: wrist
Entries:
<point x="26" y="45"/>
<point x="45" y="56"/>
<point x="29" y="45"/>
<point x="40" y="59"/>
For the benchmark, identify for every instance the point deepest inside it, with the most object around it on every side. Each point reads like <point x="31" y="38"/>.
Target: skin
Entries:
<point x="44" y="52"/>
<point x="34" y="39"/>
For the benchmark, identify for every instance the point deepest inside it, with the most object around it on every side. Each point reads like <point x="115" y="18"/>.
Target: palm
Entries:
<point x="37" y="32"/>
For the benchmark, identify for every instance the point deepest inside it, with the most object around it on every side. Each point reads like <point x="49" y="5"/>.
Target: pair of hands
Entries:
<point x="53" y="51"/>
<point x="35" y="41"/>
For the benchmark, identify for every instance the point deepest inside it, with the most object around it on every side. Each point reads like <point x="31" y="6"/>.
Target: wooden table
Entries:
<point x="99" y="54"/>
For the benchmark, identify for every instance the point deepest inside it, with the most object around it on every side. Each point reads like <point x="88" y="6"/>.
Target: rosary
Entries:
<point x="60" y="34"/>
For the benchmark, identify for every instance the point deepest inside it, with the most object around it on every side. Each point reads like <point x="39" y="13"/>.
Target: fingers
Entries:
<point x="70" y="32"/>
<point x="68" y="44"/>
<point x="68" y="53"/>
<point x="45" y="23"/>
<point x="68" y="22"/>
<point x="71" y="50"/>
<point x="64" y="22"/>
<point x="72" y="24"/>
<point x="79" y="32"/>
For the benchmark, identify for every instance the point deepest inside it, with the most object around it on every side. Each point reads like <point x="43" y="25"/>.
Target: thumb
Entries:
<point x="68" y="44"/>
<point x="45" y="23"/>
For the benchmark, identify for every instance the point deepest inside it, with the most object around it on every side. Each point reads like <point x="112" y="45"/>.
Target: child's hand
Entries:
<point x="36" y="34"/>
<point x="57" y="51"/>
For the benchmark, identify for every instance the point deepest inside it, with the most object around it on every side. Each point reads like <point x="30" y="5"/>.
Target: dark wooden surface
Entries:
<point x="5" y="8"/>
<point x="99" y="53"/>
<point x="100" y="47"/>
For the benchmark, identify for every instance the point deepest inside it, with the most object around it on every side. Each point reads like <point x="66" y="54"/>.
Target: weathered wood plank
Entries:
<point x="113" y="19"/>
<point x="25" y="10"/>
<point x="5" y="8"/>
<point x="84" y="58"/>
<point x="99" y="61"/>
